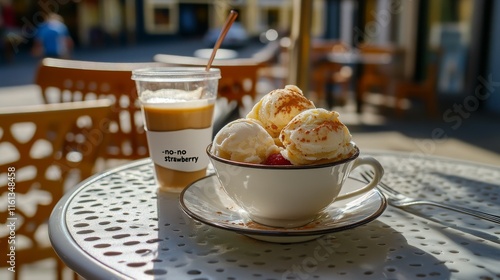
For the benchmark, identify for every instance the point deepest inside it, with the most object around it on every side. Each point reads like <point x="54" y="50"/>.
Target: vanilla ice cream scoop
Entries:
<point x="316" y="135"/>
<point x="278" y="107"/>
<point x="244" y="140"/>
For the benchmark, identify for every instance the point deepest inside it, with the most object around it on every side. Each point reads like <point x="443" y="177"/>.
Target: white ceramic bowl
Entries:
<point x="288" y="196"/>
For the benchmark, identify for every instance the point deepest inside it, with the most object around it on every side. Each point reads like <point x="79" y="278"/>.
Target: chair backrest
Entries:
<point x="45" y="150"/>
<point x="239" y="76"/>
<point x="392" y="69"/>
<point x="321" y="48"/>
<point x="63" y="80"/>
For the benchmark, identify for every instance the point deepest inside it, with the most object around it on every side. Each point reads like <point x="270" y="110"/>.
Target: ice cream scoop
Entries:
<point x="278" y="107"/>
<point x="316" y="135"/>
<point x="244" y="140"/>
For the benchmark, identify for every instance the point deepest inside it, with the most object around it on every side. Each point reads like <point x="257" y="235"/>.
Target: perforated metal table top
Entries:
<point x="116" y="225"/>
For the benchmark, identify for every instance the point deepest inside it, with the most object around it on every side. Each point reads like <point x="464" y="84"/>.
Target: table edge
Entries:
<point x="80" y="262"/>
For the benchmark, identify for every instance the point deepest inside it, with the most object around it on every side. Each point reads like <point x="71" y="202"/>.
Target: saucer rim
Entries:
<point x="283" y="232"/>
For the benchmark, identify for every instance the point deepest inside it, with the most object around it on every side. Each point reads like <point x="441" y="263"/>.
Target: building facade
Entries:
<point x="460" y="28"/>
<point x="97" y="22"/>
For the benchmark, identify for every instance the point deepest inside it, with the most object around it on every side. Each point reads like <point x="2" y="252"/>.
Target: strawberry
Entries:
<point x="277" y="159"/>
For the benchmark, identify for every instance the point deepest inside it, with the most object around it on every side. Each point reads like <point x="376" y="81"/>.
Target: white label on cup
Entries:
<point x="181" y="150"/>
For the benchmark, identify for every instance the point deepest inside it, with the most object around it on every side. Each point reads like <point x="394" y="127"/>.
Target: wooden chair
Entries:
<point x="326" y="73"/>
<point x="377" y="77"/>
<point x="323" y="74"/>
<point x="239" y="76"/>
<point x="45" y="150"/>
<point x="63" y="80"/>
<point x="425" y="90"/>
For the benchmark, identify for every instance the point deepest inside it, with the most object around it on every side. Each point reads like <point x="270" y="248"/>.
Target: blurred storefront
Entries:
<point x="95" y="23"/>
<point x="463" y="30"/>
<point x="104" y="22"/>
<point x="460" y="31"/>
<point x="196" y="17"/>
<point x="99" y="22"/>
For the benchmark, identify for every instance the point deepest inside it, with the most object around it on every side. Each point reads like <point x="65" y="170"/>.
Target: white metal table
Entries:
<point x="116" y="225"/>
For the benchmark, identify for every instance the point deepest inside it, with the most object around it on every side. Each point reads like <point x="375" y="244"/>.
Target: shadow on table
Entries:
<point x="461" y="190"/>
<point x="375" y="250"/>
<point x="472" y="187"/>
<point x="473" y="193"/>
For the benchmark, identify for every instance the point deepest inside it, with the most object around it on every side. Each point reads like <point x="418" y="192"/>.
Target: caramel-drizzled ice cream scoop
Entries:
<point x="285" y="122"/>
<point x="316" y="135"/>
<point x="278" y="107"/>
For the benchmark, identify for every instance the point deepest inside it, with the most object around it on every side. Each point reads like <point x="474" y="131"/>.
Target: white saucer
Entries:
<point x="206" y="201"/>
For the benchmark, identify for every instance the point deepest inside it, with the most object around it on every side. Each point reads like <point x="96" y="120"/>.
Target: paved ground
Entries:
<point x="475" y="137"/>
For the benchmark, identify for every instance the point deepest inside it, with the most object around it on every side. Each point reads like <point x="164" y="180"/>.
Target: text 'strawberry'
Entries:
<point x="277" y="159"/>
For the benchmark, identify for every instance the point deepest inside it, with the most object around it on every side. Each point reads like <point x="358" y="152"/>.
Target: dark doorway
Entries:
<point x="193" y="19"/>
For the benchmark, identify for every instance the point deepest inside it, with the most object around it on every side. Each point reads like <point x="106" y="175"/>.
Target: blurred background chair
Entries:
<point x="63" y="80"/>
<point x="424" y="90"/>
<point x="239" y="75"/>
<point x="239" y="79"/>
<point x="45" y="149"/>
<point x="325" y="75"/>
<point x="328" y="75"/>
<point x="378" y="77"/>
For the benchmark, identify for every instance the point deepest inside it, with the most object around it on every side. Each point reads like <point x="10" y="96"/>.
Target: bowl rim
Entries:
<point x="275" y="167"/>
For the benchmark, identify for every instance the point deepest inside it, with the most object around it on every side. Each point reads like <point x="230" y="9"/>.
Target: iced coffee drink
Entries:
<point x="178" y="121"/>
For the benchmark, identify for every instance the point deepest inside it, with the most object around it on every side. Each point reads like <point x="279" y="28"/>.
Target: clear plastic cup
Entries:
<point x="177" y="105"/>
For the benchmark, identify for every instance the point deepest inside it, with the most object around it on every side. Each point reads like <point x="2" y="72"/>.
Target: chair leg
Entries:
<point x="432" y="104"/>
<point x="366" y="83"/>
<point x="360" y="95"/>
<point x="16" y="274"/>
<point x="400" y="91"/>
<point x="320" y="90"/>
<point x="344" y="93"/>
<point x="59" y="268"/>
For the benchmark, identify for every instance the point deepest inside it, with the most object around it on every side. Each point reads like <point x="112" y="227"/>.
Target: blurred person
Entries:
<point x="52" y="38"/>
